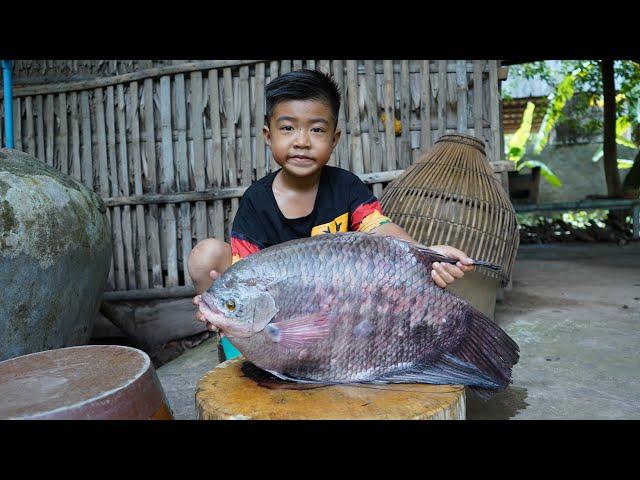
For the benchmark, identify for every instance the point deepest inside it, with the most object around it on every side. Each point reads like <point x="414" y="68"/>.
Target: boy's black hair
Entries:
<point x="303" y="85"/>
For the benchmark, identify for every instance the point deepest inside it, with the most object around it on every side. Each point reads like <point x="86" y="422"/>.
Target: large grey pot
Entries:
<point x="55" y="254"/>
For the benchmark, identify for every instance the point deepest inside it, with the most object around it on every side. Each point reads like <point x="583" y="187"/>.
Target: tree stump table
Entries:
<point x="236" y="390"/>
<point x="94" y="382"/>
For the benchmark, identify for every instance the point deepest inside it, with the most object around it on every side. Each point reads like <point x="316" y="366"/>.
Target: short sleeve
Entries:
<point x="247" y="234"/>
<point x="365" y="211"/>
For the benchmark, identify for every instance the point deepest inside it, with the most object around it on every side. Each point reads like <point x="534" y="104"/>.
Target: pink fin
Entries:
<point x="301" y="331"/>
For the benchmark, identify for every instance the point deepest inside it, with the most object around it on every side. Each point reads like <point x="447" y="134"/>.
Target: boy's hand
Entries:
<point x="445" y="274"/>
<point x="196" y="301"/>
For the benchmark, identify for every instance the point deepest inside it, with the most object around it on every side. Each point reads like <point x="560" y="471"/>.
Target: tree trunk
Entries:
<point x="614" y="188"/>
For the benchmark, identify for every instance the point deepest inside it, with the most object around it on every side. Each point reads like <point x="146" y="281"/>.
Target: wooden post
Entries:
<point x="614" y="188"/>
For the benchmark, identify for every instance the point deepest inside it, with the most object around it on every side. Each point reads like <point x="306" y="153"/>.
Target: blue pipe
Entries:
<point x="8" y="103"/>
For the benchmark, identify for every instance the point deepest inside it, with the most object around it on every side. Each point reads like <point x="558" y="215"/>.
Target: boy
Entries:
<point x="304" y="197"/>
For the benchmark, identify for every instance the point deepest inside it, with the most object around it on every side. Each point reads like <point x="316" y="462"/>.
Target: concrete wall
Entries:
<point x="579" y="175"/>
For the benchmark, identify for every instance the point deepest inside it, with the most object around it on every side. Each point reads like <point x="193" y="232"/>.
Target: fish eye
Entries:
<point x="230" y="304"/>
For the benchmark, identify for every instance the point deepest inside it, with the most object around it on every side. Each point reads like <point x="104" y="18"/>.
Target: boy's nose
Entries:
<point x="302" y="139"/>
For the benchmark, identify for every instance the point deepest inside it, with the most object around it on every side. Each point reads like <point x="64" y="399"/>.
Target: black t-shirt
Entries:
<point x="343" y="203"/>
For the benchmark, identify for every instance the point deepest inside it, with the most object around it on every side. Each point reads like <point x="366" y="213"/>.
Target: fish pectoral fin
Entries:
<point x="300" y="331"/>
<point x="266" y="306"/>
<point x="448" y="370"/>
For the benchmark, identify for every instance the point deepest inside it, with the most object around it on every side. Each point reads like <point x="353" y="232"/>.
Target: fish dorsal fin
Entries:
<point x="300" y="331"/>
<point x="428" y="256"/>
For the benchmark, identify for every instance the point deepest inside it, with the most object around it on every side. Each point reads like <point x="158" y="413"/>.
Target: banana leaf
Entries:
<point x="544" y="170"/>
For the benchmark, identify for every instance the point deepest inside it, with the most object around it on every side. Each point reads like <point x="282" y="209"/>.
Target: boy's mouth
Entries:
<point x="301" y="159"/>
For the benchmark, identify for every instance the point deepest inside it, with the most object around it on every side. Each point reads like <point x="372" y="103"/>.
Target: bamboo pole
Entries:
<point x="182" y="170"/>
<point x="477" y="99"/>
<point x="357" y="163"/>
<point x="197" y="129"/>
<point x="103" y="170"/>
<point x="231" y="142"/>
<point x="118" y="244"/>
<point x="30" y="133"/>
<point x="216" y="213"/>
<point x="167" y="184"/>
<point x="63" y="140"/>
<point x="261" y="166"/>
<point x="123" y="171"/>
<point x="39" y="120"/>
<point x="340" y="156"/>
<point x="442" y="97"/>
<point x="133" y="116"/>
<point x="49" y="115"/>
<point x="375" y="140"/>
<point x="461" y="84"/>
<point x="17" y="124"/>
<point x="390" y="117"/>
<point x="405" y="112"/>
<point x="153" y="222"/>
<point x="425" y="106"/>
<point x="86" y="157"/>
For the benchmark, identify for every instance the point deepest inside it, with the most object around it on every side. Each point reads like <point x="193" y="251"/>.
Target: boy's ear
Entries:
<point x="266" y="133"/>
<point x="336" y="136"/>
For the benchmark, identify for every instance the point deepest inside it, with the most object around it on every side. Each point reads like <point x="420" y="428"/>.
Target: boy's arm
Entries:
<point x="443" y="274"/>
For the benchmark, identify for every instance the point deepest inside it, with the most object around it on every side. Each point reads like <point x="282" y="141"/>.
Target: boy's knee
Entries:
<point x="209" y="254"/>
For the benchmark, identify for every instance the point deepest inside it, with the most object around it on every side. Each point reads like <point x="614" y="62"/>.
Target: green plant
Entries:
<point x="517" y="146"/>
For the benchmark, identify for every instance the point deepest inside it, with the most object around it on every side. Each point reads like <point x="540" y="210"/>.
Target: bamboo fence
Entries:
<point x="171" y="149"/>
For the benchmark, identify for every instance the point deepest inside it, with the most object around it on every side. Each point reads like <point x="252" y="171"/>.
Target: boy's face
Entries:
<point x="301" y="135"/>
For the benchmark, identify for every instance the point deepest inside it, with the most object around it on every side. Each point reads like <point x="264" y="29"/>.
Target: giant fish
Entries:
<point x="356" y="308"/>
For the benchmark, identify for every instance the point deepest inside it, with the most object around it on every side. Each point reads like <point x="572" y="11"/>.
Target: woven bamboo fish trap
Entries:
<point x="451" y="197"/>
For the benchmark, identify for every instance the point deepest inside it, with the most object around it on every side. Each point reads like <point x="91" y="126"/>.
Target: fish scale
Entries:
<point x="387" y="319"/>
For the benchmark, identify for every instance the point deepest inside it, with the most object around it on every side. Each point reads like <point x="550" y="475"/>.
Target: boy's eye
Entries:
<point x="287" y="128"/>
<point x="317" y="130"/>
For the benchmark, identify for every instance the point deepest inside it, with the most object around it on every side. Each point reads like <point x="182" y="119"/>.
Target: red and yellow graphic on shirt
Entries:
<point x="241" y="247"/>
<point x="339" y="224"/>
<point x="368" y="216"/>
<point x="364" y="219"/>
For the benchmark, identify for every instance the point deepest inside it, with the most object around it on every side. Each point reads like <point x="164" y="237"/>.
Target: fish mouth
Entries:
<point x="210" y="312"/>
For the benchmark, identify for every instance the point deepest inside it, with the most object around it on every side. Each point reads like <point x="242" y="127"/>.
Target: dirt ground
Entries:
<point x="574" y="309"/>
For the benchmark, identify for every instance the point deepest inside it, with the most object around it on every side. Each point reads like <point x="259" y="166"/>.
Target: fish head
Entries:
<point x="238" y="307"/>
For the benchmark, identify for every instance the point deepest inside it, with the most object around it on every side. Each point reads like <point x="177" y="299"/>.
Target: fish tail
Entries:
<point x="489" y="348"/>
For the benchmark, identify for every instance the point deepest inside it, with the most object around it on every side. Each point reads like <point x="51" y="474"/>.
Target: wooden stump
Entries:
<point x="228" y="393"/>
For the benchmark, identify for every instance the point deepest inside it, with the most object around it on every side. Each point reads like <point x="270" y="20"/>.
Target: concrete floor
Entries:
<point x="575" y="312"/>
